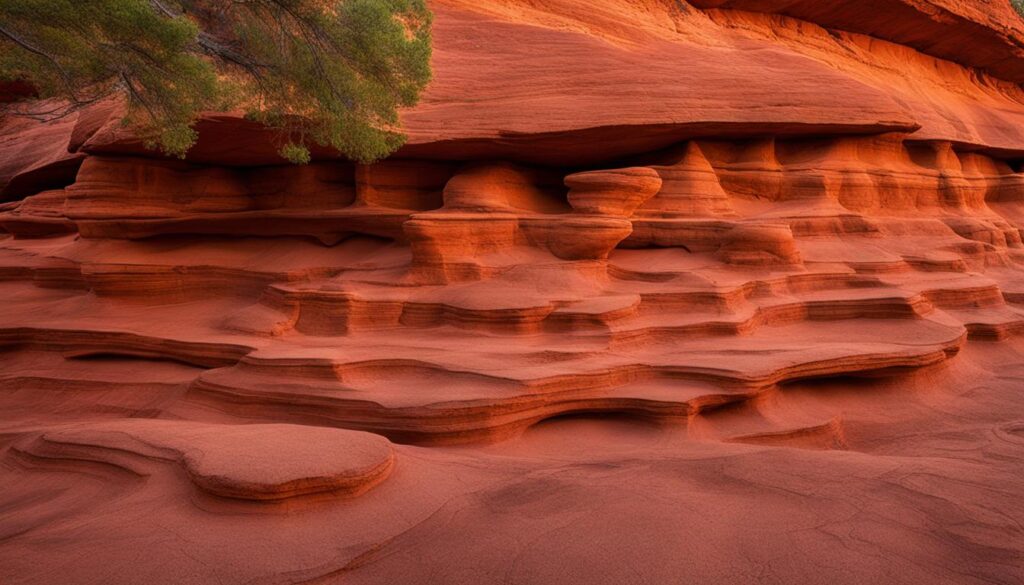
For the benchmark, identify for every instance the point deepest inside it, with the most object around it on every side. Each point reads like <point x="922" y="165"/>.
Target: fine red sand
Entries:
<point x="719" y="292"/>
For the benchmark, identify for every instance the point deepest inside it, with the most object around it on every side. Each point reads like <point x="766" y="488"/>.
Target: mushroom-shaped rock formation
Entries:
<point x="617" y="192"/>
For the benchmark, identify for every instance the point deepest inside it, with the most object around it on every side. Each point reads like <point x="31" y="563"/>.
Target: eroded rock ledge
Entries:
<point x="435" y="301"/>
<point x="986" y="34"/>
<point x="246" y="462"/>
<point x="586" y="232"/>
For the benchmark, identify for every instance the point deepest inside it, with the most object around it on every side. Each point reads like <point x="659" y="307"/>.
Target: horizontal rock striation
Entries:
<point x="245" y="462"/>
<point x="524" y="296"/>
<point x="743" y="223"/>
<point x="985" y="34"/>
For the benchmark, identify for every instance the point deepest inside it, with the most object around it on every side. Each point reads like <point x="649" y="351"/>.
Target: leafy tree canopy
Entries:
<point x="333" y="72"/>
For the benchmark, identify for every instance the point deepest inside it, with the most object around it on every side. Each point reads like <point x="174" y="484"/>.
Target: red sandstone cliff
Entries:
<point x="716" y="292"/>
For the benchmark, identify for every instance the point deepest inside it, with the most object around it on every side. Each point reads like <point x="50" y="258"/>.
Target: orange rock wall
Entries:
<point x="782" y="237"/>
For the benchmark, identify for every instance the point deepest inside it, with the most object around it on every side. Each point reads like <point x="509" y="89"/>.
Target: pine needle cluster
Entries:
<point x="330" y="72"/>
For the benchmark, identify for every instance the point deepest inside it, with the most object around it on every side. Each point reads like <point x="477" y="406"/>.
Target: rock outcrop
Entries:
<point x="244" y="462"/>
<point x="746" y="258"/>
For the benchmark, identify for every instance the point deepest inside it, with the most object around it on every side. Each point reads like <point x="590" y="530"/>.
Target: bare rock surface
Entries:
<point x="727" y="291"/>
<point x="246" y="462"/>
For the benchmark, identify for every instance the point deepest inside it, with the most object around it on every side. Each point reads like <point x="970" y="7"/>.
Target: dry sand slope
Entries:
<point x="728" y="291"/>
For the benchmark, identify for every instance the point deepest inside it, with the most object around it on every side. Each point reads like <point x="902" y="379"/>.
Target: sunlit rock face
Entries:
<point x="717" y="292"/>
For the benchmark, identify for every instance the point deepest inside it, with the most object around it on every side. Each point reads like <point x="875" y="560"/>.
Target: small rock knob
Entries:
<point x="614" y="192"/>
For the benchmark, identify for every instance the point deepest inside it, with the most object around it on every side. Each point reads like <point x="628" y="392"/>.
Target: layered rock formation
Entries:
<point x="737" y="279"/>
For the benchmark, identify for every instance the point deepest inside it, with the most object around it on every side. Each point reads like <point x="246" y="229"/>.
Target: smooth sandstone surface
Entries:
<point x="245" y="462"/>
<point x="714" y="292"/>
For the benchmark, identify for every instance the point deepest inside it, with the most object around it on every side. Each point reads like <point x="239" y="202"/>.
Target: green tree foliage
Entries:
<point x="333" y="72"/>
<point x="1019" y="5"/>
